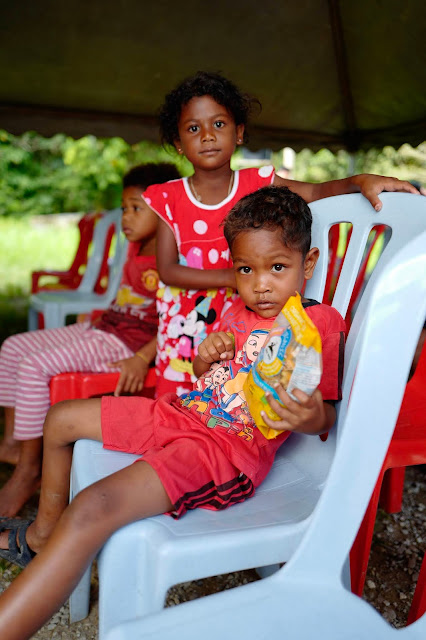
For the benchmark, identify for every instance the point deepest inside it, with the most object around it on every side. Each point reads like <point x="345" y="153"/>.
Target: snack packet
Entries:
<point x="291" y="355"/>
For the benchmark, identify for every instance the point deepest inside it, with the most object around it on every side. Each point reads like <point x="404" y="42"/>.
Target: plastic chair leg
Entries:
<point x="32" y="320"/>
<point x="360" y="551"/>
<point x="392" y="490"/>
<point x="145" y="588"/>
<point x="418" y="605"/>
<point x="79" y="599"/>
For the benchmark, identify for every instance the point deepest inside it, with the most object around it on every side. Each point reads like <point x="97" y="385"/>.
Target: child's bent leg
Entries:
<point x="25" y="479"/>
<point x="9" y="447"/>
<point x="65" y="423"/>
<point x="126" y="496"/>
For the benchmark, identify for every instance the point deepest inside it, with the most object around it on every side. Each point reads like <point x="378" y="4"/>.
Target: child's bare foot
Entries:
<point x="9" y="451"/>
<point x="23" y="483"/>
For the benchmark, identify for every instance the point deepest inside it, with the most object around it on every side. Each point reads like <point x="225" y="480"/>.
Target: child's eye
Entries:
<point x="219" y="124"/>
<point x="278" y="267"/>
<point x="193" y="128"/>
<point x="244" y="269"/>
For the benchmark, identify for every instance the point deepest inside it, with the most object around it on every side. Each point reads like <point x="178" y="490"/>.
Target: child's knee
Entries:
<point x="92" y="506"/>
<point x="60" y="422"/>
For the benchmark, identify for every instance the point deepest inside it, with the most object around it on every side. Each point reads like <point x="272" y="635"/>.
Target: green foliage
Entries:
<point x="406" y="163"/>
<point x="49" y="175"/>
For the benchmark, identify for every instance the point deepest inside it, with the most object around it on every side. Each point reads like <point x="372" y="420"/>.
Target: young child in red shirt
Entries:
<point x="205" y="119"/>
<point x="124" y="338"/>
<point x="198" y="451"/>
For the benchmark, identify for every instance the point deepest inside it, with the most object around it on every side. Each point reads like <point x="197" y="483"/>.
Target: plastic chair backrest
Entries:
<point x="306" y="599"/>
<point x="71" y="278"/>
<point x="55" y="306"/>
<point x="105" y="228"/>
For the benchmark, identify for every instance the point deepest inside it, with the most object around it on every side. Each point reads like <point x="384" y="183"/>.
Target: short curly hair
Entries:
<point x="204" y="83"/>
<point x="145" y="174"/>
<point x="272" y="208"/>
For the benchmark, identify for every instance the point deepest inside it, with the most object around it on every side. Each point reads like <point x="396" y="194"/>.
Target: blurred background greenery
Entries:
<point x="44" y="176"/>
<point x="41" y="176"/>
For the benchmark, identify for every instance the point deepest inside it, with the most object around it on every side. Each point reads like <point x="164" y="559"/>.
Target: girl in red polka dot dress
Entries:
<point x="205" y="119"/>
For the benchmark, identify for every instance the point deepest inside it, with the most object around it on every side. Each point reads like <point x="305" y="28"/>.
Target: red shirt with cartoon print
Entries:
<point x="186" y="317"/>
<point x="218" y="399"/>
<point x="132" y="316"/>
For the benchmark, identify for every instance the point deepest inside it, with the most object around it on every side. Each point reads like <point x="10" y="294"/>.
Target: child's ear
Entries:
<point x="178" y="146"/>
<point x="240" y="134"/>
<point x="310" y="262"/>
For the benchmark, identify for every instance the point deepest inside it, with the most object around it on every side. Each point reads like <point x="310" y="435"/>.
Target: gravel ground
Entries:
<point x="397" y="552"/>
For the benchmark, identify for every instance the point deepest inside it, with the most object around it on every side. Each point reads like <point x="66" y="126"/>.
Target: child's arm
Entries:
<point x="217" y="346"/>
<point x="133" y="371"/>
<point x="368" y="184"/>
<point x="177" y="275"/>
<point x="310" y="415"/>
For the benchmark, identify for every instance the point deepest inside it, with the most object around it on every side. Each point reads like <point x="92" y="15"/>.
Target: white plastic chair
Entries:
<point x="56" y="305"/>
<point x="307" y="599"/>
<point x="143" y="560"/>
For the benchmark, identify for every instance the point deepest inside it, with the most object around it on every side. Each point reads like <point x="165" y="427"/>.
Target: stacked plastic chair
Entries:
<point x="57" y="305"/>
<point x="141" y="561"/>
<point x="407" y="447"/>
<point x="71" y="278"/>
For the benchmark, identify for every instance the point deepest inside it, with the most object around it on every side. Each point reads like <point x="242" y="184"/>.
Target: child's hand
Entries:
<point x="308" y="415"/>
<point x="217" y="346"/>
<point x="371" y="185"/>
<point x="133" y="372"/>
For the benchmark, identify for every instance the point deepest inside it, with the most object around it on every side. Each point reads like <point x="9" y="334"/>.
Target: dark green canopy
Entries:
<point x="348" y="74"/>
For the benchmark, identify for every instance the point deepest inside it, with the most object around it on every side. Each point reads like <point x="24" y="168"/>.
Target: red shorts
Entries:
<point x="190" y="464"/>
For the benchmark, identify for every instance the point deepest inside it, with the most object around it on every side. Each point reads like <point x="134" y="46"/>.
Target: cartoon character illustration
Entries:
<point x="232" y="392"/>
<point x="251" y="348"/>
<point x="207" y="388"/>
<point x="189" y="332"/>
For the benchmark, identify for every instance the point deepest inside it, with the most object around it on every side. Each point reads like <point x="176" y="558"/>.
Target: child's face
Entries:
<point x="138" y="222"/>
<point x="208" y="134"/>
<point x="220" y="376"/>
<point x="267" y="272"/>
<point x="253" y="345"/>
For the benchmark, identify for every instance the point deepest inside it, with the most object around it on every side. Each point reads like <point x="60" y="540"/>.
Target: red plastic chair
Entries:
<point x="72" y="386"/>
<point x="335" y="265"/>
<point x="408" y="447"/>
<point x="418" y="605"/>
<point x="71" y="278"/>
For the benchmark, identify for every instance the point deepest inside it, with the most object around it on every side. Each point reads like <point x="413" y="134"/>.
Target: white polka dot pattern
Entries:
<point x="200" y="227"/>
<point x="213" y="256"/>
<point x="264" y="172"/>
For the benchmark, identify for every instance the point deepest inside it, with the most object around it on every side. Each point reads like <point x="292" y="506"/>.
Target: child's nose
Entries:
<point x="262" y="285"/>
<point x="208" y="134"/>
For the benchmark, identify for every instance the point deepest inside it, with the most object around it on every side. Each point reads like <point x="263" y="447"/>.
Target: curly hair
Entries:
<point x="145" y="174"/>
<point x="203" y="83"/>
<point x="272" y="208"/>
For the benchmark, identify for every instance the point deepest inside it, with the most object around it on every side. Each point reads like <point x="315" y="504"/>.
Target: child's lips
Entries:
<point x="209" y="152"/>
<point x="265" y="304"/>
